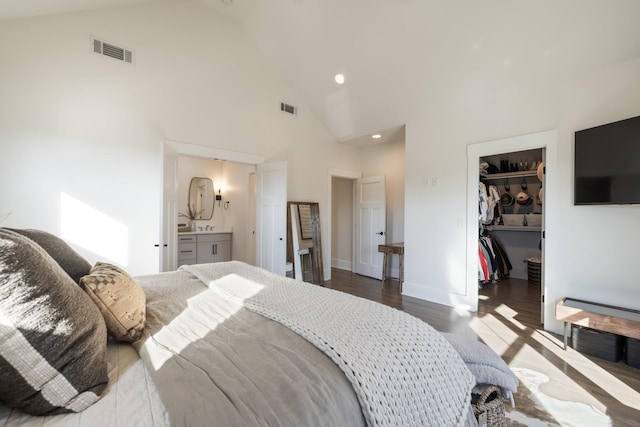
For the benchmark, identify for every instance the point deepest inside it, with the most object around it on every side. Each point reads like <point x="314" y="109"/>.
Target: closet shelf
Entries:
<point x="507" y="175"/>
<point x="514" y="228"/>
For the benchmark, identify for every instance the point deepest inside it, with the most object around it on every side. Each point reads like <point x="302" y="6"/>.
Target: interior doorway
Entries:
<point x="358" y="224"/>
<point x="511" y="204"/>
<point x="171" y="151"/>
<point x="545" y="141"/>
<point x="232" y="185"/>
<point x="342" y="223"/>
<point x="340" y="243"/>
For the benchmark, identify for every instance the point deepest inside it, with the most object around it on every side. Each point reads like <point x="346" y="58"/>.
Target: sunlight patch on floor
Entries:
<point x="494" y="333"/>
<point x="609" y="383"/>
<point x="562" y="386"/>
<point x="563" y="399"/>
<point x="509" y="314"/>
<point x="565" y="412"/>
<point x="506" y="336"/>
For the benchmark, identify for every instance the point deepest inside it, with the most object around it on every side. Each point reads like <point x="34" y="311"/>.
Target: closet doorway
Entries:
<point x="520" y="243"/>
<point x="511" y="203"/>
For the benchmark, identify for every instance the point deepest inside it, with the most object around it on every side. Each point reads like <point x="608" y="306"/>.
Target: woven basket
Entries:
<point x="488" y="407"/>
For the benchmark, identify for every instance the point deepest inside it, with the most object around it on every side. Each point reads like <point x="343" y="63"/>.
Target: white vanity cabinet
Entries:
<point x="200" y="248"/>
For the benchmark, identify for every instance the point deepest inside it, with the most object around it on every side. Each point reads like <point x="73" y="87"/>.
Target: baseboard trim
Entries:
<point x="342" y="264"/>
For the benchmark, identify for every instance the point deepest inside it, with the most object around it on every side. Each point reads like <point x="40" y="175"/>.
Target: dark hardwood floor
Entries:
<point x="574" y="389"/>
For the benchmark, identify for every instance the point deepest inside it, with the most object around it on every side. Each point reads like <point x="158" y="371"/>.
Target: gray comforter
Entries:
<point x="215" y="363"/>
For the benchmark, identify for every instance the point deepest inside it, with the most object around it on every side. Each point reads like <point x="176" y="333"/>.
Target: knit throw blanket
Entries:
<point x="402" y="370"/>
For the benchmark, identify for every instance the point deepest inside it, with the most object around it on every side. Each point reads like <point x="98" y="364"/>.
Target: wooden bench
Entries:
<point x="603" y="317"/>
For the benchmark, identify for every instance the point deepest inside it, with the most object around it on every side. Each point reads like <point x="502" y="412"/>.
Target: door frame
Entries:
<point x="546" y="140"/>
<point x="168" y="260"/>
<point x="202" y="152"/>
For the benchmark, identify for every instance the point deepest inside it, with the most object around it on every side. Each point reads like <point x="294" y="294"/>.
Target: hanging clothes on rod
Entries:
<point x="493" y="258"/>
<point x="493" y="262"/>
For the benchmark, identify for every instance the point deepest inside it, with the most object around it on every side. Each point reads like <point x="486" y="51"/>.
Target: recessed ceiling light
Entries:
<point x="376" y="136"/>
<point x="339" y="78"/>
<point x="226" y="2"/>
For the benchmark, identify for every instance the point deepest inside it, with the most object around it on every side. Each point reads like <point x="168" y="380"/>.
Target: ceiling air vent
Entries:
<point x="111" y="50"/>
<point x="286" y="108"/>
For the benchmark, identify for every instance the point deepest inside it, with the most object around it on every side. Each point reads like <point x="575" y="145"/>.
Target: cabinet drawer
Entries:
<point x="217" y="237"/>
<point x="186" y="251"/>
<point x="191" y="238"/>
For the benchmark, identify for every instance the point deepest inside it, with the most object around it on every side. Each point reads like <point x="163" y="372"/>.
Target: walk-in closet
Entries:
<point x="511" y="207"/>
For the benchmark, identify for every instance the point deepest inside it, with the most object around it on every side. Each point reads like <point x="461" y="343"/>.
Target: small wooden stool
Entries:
<point x="392" y="248"/>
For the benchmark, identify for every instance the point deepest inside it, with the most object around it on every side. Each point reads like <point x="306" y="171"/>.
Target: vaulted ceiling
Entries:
<point x="404" y="58"/>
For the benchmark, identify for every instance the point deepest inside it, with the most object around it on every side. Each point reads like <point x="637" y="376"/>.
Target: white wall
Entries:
<point x="91" y="127"/>
<point x="591" y="251"/>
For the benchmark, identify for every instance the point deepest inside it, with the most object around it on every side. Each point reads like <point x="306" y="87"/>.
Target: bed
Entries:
<point x="233" y="345"/>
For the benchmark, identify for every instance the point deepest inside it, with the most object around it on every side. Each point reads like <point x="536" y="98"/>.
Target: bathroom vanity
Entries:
<point x="199" y="247"/>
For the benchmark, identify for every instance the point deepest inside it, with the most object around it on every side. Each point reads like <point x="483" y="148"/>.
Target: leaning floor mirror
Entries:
<point x="304" y="242"/>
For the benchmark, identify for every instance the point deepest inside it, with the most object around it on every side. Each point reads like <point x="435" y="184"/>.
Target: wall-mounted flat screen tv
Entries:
<point x="607" y="164"/>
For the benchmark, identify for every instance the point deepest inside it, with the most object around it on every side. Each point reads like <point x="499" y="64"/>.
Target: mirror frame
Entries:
<point x="206" y="212"/>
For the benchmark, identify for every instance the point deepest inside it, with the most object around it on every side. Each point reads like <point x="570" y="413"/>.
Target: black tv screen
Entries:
<point x="607" y="164"/>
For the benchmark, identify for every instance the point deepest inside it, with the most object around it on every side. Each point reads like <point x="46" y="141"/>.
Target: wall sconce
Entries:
<point x="219" y="197"/>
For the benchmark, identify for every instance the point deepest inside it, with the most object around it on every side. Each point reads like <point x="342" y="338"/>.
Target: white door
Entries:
<point x="168" y="212"/>
<point x="271" y="216"/>
<point x="371" y="229"/>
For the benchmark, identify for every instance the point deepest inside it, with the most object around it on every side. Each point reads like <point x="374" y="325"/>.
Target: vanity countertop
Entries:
<point x="215" y="230"/>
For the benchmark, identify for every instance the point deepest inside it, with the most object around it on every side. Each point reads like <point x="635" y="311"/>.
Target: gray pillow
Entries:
<point x="53" y="340"/>
<point x="70" y="261"/>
